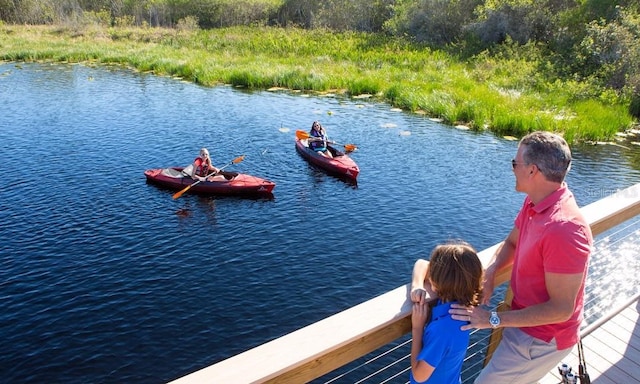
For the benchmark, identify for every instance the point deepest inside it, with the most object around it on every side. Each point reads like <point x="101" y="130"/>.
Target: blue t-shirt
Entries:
<point x="444" y="346"/>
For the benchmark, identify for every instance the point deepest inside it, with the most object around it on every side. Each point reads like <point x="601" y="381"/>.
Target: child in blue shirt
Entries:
<point x="452" y="275"/>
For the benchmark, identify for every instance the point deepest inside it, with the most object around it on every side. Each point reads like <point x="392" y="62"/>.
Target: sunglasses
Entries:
<point x="514" y="163"/>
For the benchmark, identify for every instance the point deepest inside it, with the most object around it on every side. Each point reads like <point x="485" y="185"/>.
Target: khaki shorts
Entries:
<point x="521" y="359"/>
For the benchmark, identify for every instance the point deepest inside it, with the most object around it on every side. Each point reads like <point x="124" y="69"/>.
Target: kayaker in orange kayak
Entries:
<point x="203" y="168"/>
<point x="318" y="140"/>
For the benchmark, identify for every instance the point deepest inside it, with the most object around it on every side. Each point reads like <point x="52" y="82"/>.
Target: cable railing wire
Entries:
<point x="367" y="362"/>
<point x="383" y="369"/>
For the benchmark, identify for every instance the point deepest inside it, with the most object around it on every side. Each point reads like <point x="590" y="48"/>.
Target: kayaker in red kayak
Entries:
<point x="318" y="140"/>
<point x="203" y="167"/>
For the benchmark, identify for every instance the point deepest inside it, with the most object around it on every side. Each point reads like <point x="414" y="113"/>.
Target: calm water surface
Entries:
<point x="105" y="278"/>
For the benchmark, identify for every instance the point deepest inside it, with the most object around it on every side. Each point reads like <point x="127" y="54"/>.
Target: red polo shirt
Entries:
<point x="554" y="237"/>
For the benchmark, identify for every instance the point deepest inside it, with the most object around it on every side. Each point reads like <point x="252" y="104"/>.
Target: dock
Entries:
<point x="342" y="346"/>
<point x="611" y="348"/>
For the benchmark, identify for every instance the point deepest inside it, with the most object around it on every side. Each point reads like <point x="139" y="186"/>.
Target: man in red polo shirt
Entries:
<point x="548" y="248"/>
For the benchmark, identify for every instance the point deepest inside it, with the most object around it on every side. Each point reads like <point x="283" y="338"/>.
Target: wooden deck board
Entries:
<point x="612" y="351"/>
<point x="613" y="357"/>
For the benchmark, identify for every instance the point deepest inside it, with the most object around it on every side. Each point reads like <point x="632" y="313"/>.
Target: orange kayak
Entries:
<point x="340" y="165"/>
<point x="233" y="183"/>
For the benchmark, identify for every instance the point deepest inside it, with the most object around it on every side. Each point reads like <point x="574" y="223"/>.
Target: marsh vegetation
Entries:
<point x="509" y="66"/>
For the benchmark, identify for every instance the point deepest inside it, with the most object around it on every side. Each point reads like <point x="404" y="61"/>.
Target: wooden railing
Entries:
<point x="326" y="345"/>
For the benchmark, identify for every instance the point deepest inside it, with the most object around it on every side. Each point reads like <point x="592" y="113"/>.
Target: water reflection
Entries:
<point x="613" y="274"/>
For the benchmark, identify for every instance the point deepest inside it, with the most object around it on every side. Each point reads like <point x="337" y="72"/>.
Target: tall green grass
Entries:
<point x="505" y="95"/>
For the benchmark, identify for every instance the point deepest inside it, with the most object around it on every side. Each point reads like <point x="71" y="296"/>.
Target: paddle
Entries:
<point x="181" y="192"/>
<point x="300" y="134"/>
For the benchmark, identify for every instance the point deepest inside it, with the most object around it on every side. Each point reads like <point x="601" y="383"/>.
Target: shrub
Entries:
<point x="189" y="23"/>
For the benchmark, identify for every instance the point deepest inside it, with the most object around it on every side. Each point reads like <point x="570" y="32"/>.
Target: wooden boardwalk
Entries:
<point x="611" y="350"/>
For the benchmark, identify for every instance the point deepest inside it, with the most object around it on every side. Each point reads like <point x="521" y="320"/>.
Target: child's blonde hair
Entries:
<point x="455" y="271"/>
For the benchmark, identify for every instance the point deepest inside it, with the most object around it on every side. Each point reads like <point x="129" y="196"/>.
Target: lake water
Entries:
<point x="105" y="278"/>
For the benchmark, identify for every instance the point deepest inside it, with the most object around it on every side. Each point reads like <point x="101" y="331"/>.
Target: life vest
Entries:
<point x="318" y="145"/>
<point x="202" y="168"/>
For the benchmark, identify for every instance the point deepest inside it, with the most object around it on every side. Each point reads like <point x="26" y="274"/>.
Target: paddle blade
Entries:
<point x="237" y="159"/>
<point x="181" y="192"/>
<point x="350" y="147"/>
<point x="300" y="134"/>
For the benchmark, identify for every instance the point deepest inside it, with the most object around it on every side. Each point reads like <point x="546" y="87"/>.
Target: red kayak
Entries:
<point x="232" y="184"/>
<point x="340" y="165"/>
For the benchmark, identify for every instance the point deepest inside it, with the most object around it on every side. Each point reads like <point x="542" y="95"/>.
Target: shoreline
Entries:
<point x="428" y="83"/>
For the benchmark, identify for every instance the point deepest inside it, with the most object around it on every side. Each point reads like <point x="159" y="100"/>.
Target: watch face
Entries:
<point x="494" y="319"/>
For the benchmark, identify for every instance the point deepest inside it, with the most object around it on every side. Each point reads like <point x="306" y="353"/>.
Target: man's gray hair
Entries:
<point x="549" y="152"/>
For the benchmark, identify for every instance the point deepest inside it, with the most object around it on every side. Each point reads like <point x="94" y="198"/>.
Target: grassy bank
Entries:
<point x="508" y="97"/>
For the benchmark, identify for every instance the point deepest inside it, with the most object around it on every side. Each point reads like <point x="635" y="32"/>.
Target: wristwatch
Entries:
<point x="494" y="320"/>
